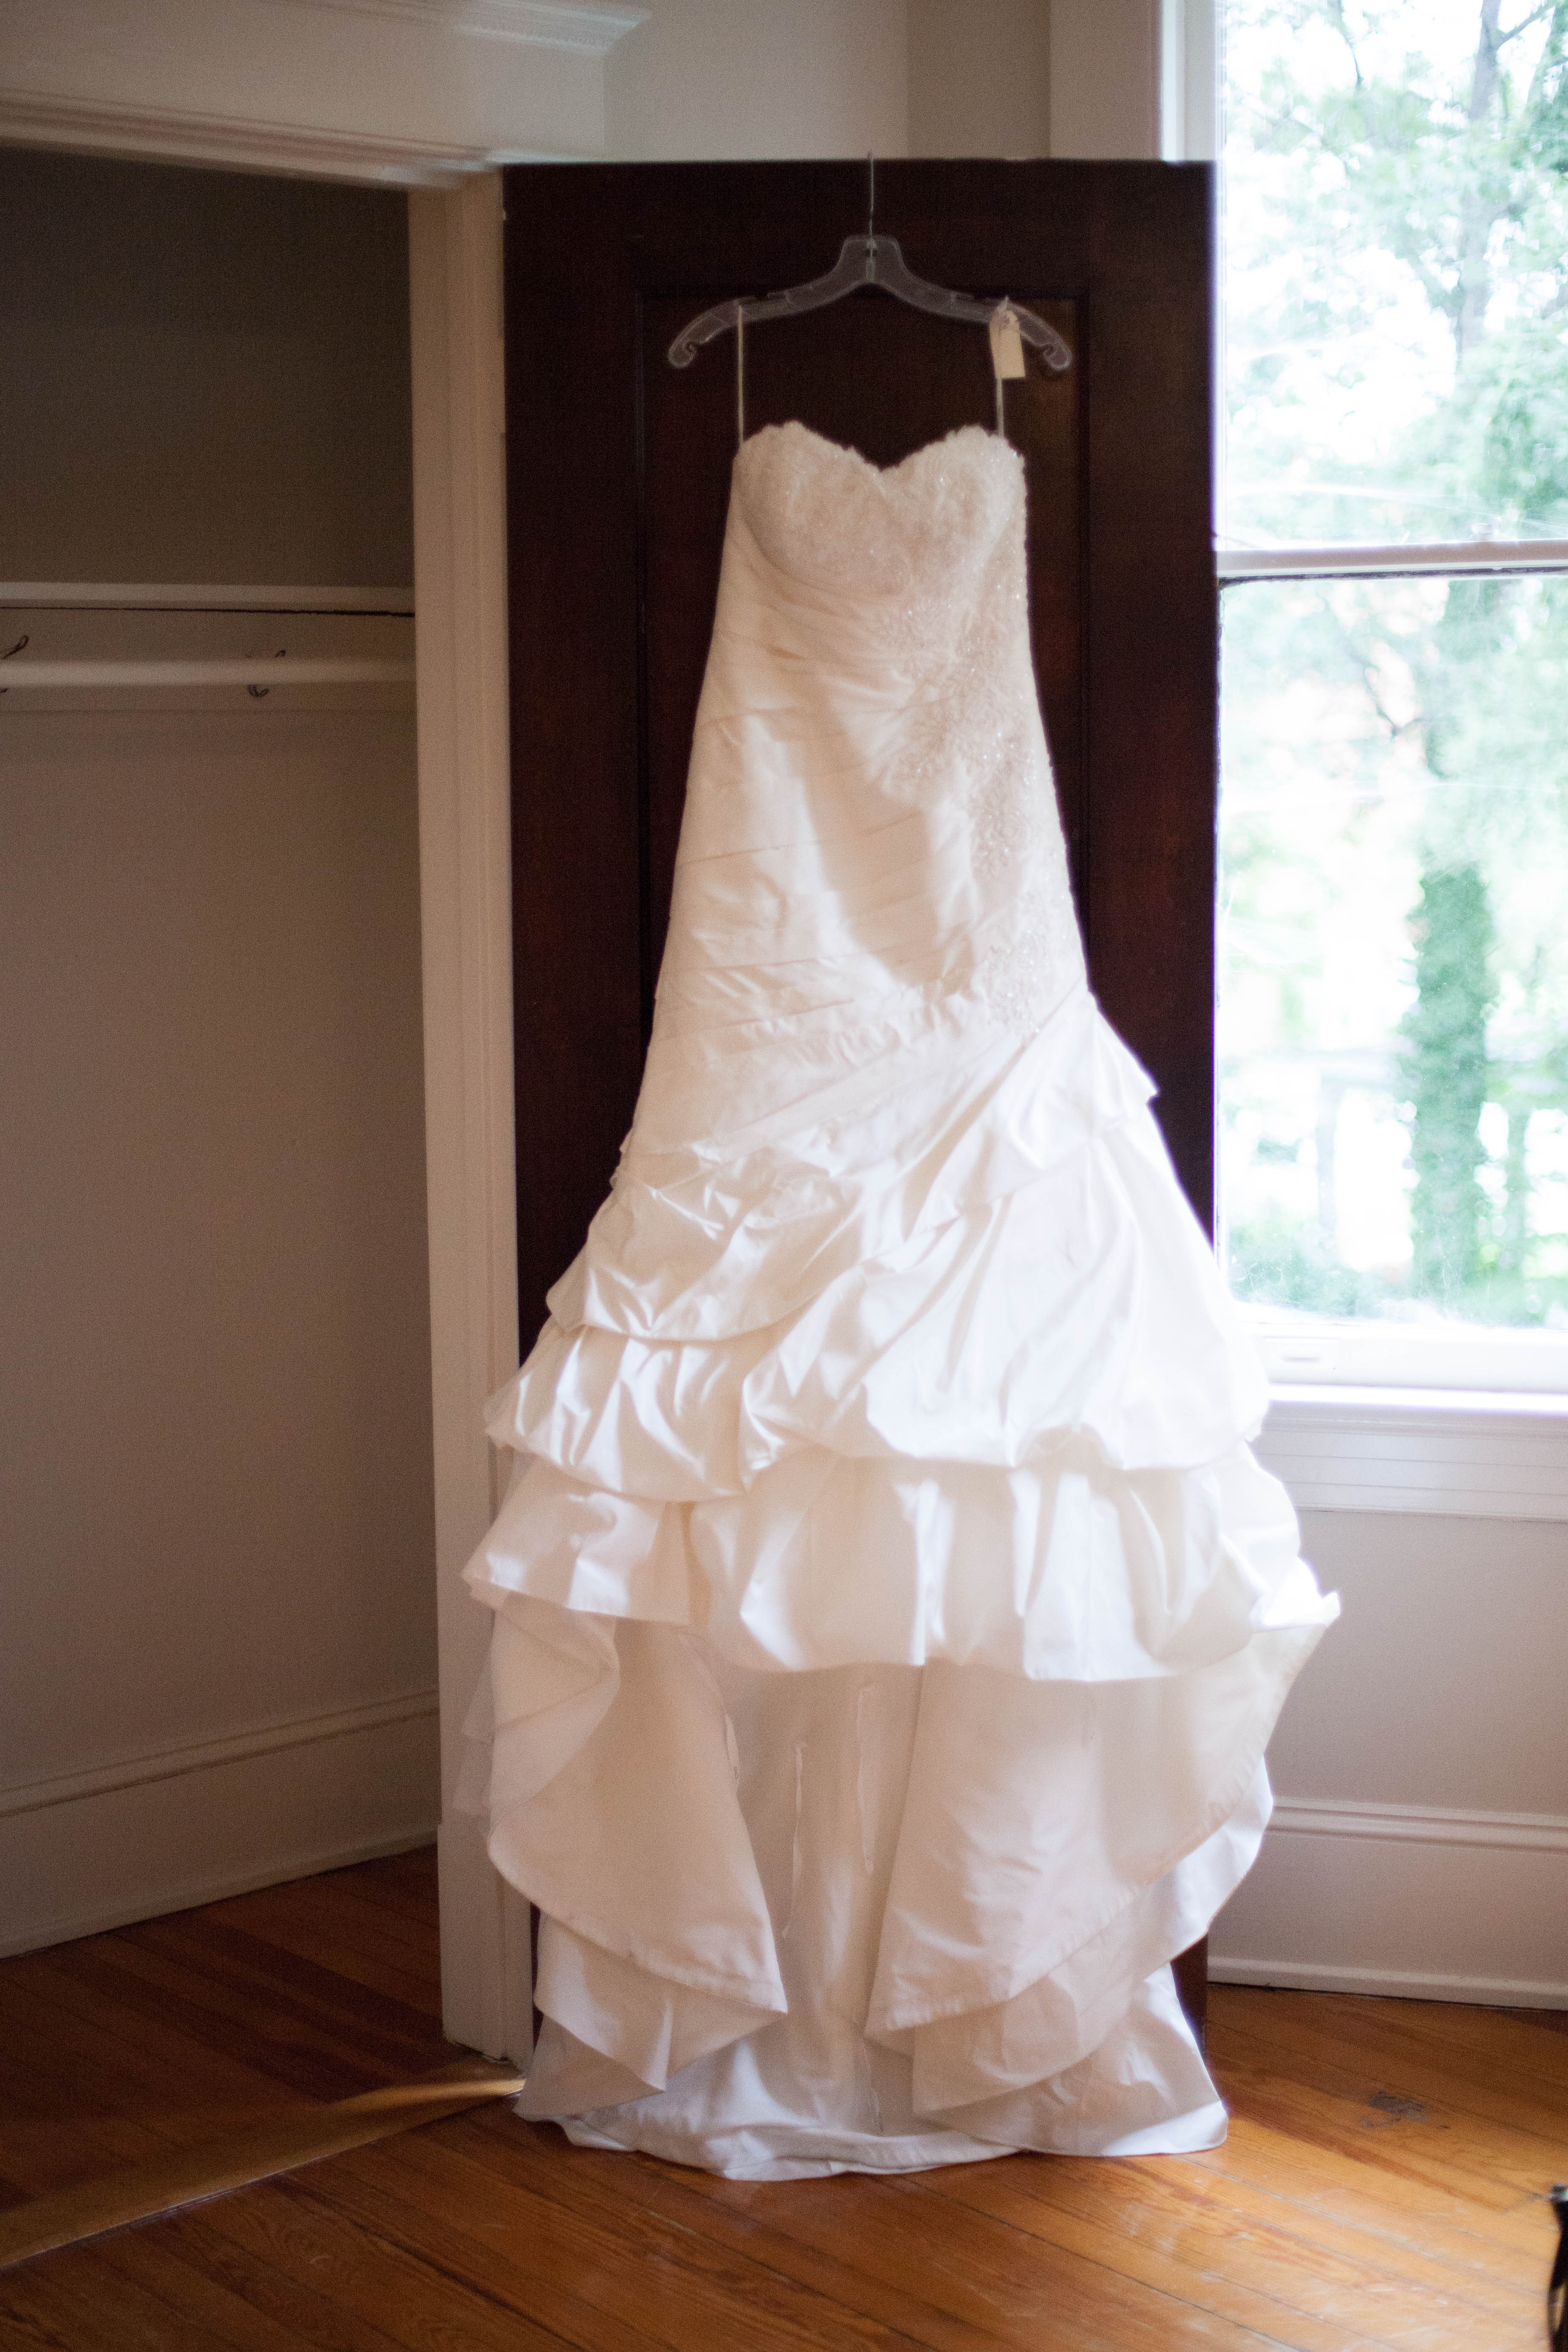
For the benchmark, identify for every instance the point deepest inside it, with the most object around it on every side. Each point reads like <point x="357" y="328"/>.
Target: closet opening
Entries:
<point x="217" y="1617"/>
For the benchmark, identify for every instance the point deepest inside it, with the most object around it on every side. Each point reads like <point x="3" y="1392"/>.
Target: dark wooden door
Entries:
<point x="618" y="479"/>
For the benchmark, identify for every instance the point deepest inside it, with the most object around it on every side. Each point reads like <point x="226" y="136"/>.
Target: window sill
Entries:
<point x="1464" y="1454"/>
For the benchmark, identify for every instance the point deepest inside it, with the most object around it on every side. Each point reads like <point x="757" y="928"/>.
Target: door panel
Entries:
<point x="617" y="476"/>
<point x="619" y="471"/>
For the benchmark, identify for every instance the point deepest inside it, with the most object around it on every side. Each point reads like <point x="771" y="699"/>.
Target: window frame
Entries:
<point x="1412" y="1405"/>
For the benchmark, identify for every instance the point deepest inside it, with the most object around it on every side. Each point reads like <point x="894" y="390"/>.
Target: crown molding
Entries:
<point x="583" y="27"/>
<point x="174" y="135"/>
<point x="402" y="93"/>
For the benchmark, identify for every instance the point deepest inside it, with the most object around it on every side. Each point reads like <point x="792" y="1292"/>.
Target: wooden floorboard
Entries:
<point x="1382" y="2190"/>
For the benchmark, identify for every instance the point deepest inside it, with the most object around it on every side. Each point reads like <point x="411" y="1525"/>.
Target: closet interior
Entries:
<point x="217" y="1615"/>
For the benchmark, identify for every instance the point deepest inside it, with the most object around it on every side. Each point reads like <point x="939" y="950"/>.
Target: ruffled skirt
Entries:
<point x="878" y="1696"/>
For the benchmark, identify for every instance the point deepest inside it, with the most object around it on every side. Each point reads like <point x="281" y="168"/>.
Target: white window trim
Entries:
<point x="1364" y="1442"/>
<point x="1374" y="1360"/>
<point x="1236" y="564"/>
<point x="1434" y="1357"/>
<point x="1469" y="1455"/>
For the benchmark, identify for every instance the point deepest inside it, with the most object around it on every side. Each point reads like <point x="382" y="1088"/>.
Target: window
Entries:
<point x="1393" y="533"/>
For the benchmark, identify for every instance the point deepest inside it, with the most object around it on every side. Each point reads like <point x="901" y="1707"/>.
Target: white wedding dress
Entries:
<point x="890" y="1618"/>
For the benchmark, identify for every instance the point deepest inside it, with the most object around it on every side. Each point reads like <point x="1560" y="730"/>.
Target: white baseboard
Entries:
<point x="80" y="1852"/>
<point x="1393" y="1984"/>
<point x="1419" y="1902"/>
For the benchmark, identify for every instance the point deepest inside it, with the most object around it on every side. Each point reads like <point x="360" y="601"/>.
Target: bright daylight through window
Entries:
<point x="1393" y="864"/>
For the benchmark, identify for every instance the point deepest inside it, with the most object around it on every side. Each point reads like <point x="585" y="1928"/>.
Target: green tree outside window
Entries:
<point x="1397" y="229"/>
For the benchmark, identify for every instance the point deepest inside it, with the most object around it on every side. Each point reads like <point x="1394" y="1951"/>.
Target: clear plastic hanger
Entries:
<point x="868" y="260"/>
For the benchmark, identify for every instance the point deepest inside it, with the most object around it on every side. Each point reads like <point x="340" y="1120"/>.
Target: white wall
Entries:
<point x="808" y="78"/>
<point x="1420" y="1841"/>
<point x="1105" y="77"/>
<point x="206" y="376"/>
<point x="979" y="77"/>
<point x="758" y="78"/>
<point x="217" y="1613"/>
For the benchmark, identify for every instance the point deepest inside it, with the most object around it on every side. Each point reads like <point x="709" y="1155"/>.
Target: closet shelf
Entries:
<point x="145" y="596"/>
<point x="285" y="671"/>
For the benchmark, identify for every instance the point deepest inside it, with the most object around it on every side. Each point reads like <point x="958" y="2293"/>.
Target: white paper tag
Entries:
<point x="1006" y="343"/>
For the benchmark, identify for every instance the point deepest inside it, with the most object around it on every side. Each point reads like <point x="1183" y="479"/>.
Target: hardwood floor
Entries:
<point x="1384" y="2185"/>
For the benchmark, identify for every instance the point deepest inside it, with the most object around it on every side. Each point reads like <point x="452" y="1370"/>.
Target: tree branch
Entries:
<point x="1334" y="11"/>
<point x="1547" y="8"/>
<point x="1551" y="51"/>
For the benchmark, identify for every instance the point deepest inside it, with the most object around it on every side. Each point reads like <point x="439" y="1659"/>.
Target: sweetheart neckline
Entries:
<point x="879" y="473"/>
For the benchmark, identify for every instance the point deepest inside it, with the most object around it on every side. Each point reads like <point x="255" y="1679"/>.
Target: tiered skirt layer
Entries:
<point x="878" y="1691"/>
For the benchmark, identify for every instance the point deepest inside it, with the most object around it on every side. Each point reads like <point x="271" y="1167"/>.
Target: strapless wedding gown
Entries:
<point x="890" y="1618"/>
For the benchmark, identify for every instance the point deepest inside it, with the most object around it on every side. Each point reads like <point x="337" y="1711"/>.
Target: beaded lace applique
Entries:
<point x="933" y="551"/>
<point x="910" y="535"/>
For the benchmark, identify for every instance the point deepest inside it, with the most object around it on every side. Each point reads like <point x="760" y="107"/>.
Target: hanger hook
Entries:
<point x="870" y="197"/>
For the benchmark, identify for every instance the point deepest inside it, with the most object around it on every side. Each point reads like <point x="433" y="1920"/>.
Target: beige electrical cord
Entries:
<point x="190" y="2174"/>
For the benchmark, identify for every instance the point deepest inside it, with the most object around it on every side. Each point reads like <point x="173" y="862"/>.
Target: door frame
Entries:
<point x="463" y="761"/>
<point x="465" y="866"/>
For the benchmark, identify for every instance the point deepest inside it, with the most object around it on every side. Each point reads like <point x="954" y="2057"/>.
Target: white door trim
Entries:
<point x="460" y="653"/>
<point x="168" y="134"/>
<point x="464" y="864"/>
<point x="466" y="920"/>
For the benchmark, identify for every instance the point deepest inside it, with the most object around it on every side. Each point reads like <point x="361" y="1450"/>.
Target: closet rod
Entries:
<point x="159" y="596"/>
<point x="285" y="670"/>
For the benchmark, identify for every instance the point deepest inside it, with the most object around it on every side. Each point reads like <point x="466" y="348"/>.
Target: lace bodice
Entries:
<point x="916" y="533"/>
<point x="871" y="683"/>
